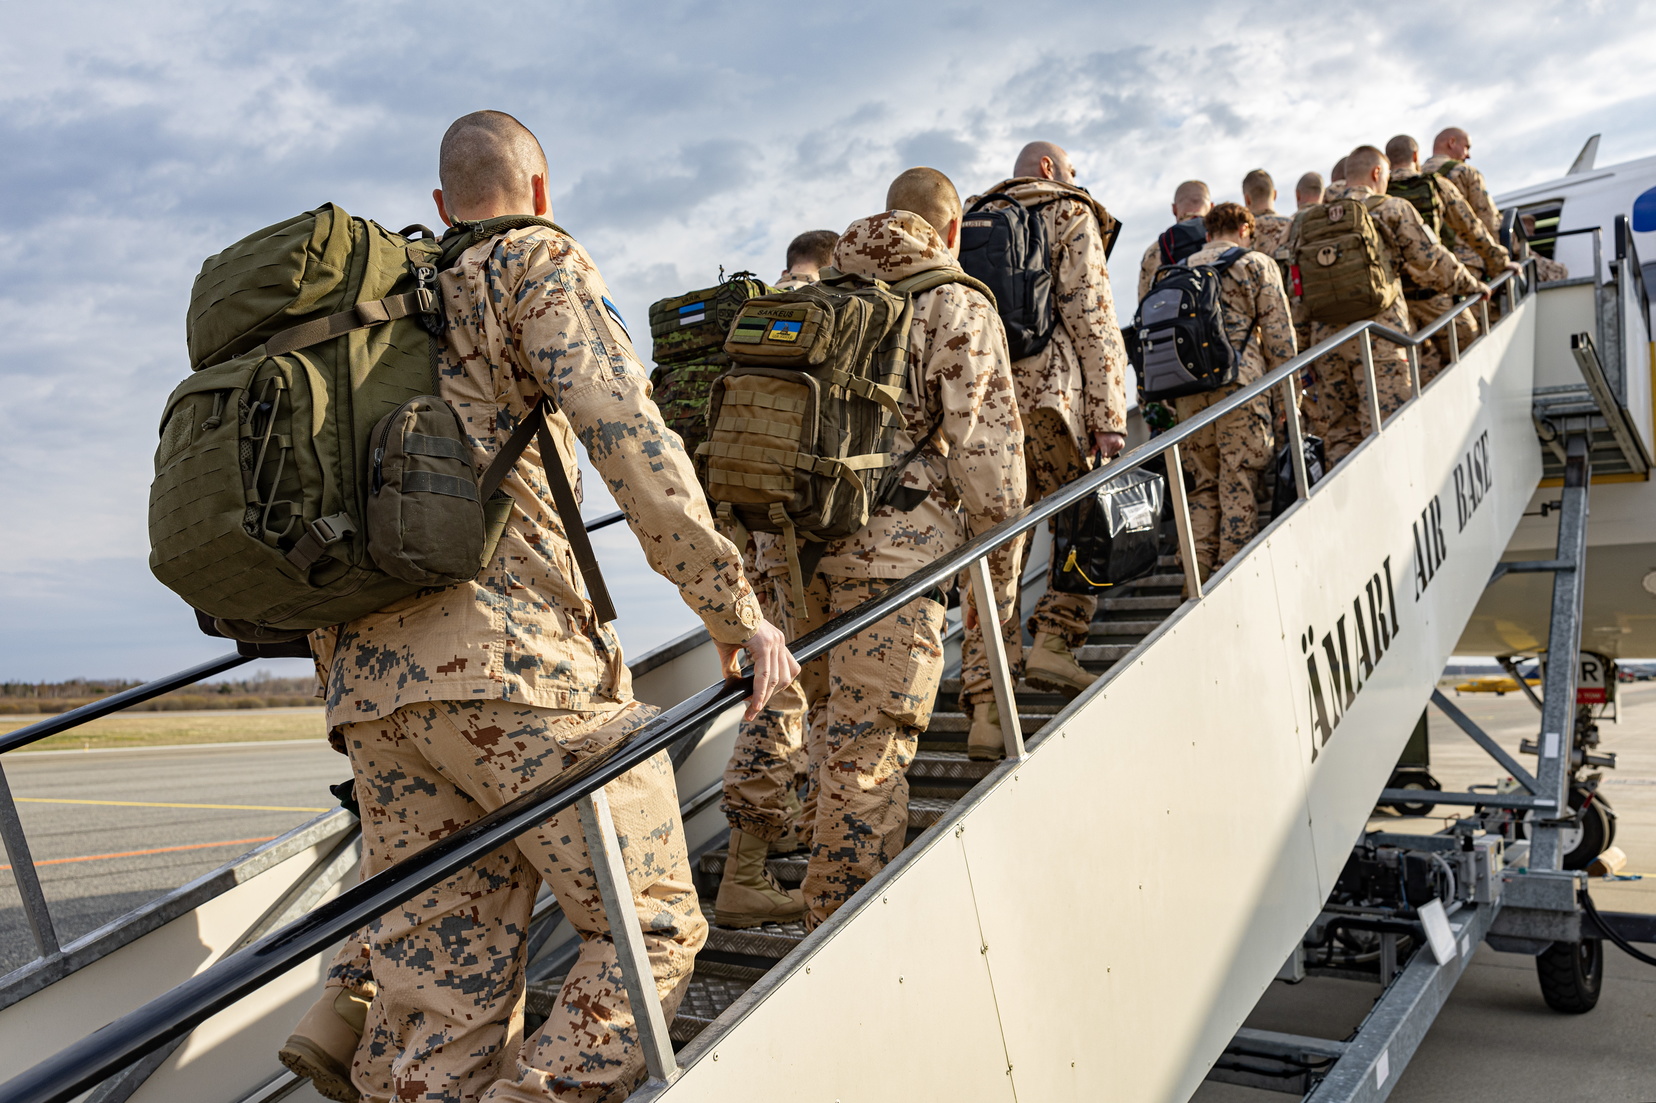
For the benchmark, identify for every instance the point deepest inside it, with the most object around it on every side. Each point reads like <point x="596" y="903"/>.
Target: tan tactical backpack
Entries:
<point x="1344" y="264"/>
<point x="804" y="421"/>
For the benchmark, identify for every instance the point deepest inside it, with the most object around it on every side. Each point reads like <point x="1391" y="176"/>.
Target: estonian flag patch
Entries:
<point x="615" y="316"/>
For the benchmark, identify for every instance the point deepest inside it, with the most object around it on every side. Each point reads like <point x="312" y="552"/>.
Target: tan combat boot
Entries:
<point x="324" y="1043"/>
<point x="1051" y="665"/>
<point x="985" y="742"/>
<point x="747" y="895"/>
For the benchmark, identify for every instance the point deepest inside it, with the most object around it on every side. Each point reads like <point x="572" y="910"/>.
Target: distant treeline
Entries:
<point x="255" y="693"/>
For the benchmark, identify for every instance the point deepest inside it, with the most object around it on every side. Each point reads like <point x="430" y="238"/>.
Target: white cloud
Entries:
<point x="142" y="138"/>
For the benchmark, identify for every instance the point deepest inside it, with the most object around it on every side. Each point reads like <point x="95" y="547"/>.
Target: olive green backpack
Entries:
<point x="307" y="472"/>
<point x="803" y="422"/>
<point x="687" y="334"/>
<point x="1423" y="193"/>
<point x="1345" y="266"/>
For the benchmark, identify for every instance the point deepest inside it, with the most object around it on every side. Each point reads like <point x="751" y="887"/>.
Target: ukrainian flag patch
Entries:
<point x="781" y="330"/>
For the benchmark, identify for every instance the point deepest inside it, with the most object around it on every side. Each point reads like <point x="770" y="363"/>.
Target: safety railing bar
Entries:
<point x="115" y="702"/>
<point x="84" y="1063"/>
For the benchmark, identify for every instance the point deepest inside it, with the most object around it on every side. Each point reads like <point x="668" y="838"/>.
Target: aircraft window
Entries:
<point x="1541" y="225"/>
<point x="1644" y="212"/>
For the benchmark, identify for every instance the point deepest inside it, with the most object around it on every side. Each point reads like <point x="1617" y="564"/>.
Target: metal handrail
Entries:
<point x="1626" y="250"/>
<point x="115" y="702"/>
<point x="83" y="1063"/>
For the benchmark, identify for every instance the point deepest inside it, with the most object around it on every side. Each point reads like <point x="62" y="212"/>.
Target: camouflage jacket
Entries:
<point x="1271" y="232"/>
<point x="1416" y="251"/>
<point x="528" y="315"/>
<point x="1472" y="243"/>
<point x="961" y="382"/>
<point x="1152" y="261"/>
<point x="1255" y="309"/>
<point x="787" y="281"/>
<point x="1471" y="184"/>
<point x="1082" y="373"/>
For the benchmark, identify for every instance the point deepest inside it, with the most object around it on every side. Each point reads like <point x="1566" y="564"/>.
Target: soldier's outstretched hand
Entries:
<point x="773" y="664"/>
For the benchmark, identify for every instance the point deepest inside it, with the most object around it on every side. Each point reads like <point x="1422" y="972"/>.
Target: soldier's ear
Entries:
<point x="442" y="211"/>
<point x="543" y="203"/>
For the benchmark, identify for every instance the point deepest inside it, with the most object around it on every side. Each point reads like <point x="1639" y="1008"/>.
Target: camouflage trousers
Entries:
<point x="1051" y="461"/>
<point x="766" y="782"/>
<point x="1335" y="403"/>
<point x="881" y="686"/>
<point x="1434" y="354"/>
<point x="446" y="1022"/>
<point x="1226" y="460"/>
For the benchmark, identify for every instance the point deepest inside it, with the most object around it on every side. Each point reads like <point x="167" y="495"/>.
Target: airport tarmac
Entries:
<point x="1496" y="1038"/>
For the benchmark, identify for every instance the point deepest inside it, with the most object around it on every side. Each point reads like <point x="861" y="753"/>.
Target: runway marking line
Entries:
<point x="162" y="804"/>
<point x="142" y="853"/>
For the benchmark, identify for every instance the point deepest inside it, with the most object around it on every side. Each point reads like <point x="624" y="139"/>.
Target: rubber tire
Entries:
<point x="1419" y="780"/>
<point x="1597" y="829"/>
<point x="1571" y="975"/>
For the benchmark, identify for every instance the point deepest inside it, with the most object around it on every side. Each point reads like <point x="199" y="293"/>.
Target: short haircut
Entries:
<point x="1311" y="184"/>
<point x="1402" y="149"/>
<point x="1362" y="161"/>
<point x="1228" y="218"/>
<point x="1445" y="136"/>
<point x="1339" y="172"/>
<point x="487" y="155"/>
<point x="1257" y="185"/>
<point x="929" y="194"/>
<point x="816" y="246"/>
<point x="1190" y="195"/>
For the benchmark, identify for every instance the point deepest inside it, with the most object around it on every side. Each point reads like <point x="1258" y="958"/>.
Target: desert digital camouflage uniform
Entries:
<point x="1471" y="184"/>
<point x="1226" y="459"/>
<point x="1335" y="403"/>
<point x="1073" y="388"/>
<point x="882" y="683"/>
<point x="1153" y="260"/>
<point x="1271" y="232"/>
<point x="1547" y="269"/>
<point x="452" y="700"/>
<point x="1476" y="248"/>
<point x="767" y="780"/>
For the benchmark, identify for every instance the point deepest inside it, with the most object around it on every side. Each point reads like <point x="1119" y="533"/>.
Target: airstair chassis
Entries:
<point x="1051" y="935"/>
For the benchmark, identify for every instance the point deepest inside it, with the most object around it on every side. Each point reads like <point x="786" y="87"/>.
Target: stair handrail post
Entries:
<point x="1296" y="437"/>
<point x="1483" y="316"/>
<point x="994" y="647"/>
<point x="1453" y="331"/>
<point x="27" y="879"/>
<point x="1181" y="522"/>
<point x="1365" y="342"/>
<point x="1558" y="696"/>
<point x="1414" y="371"/>
<point x="615" y="890"/>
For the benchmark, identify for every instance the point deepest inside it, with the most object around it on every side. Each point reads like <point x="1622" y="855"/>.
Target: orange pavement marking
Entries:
<point x="141" y="853"/>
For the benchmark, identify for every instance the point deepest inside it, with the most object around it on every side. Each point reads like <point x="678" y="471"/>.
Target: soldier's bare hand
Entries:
<point x="773" y="664"/>
<point x="1483" y="292"/>
<point x="1109" y="444"/>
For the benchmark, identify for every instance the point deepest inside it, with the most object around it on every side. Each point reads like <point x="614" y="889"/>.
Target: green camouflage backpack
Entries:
<point x="688" y="334"/>
<point x="1423" y="193"/>
<point x="803" y="422"/>
<point x="307" y="472"/>
<point x="1344" y="265"/>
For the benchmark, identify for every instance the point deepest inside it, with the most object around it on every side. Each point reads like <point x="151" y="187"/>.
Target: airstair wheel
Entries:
<point x="1571" y="975"/>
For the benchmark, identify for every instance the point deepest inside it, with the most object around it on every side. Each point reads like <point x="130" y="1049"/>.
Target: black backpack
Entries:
<point x="1177" y="340"/>
<point x="1006" y="248"/>
<point x="1180" y="240"/>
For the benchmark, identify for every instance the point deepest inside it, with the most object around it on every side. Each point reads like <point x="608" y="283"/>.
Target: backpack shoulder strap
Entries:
<point x="937" y="277"/>
<point x="1221" y="264"/>
<point x="462" y="235"/>
<point x="1166" y="243"/>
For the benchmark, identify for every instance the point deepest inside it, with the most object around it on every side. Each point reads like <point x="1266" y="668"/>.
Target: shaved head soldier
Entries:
<point x="1270" y="229"/>
<point x="1072" y="397"/>
<point x="1451" y="150"/>
<point x="456" y="700"/>
<point x="1336" y="403"/>
<point x="1191" y="202"/>
<point x="1309" y="191"/>
<point x="1448" y="214"/>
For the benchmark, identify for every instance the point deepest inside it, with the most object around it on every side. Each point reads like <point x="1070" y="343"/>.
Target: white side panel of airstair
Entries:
<point x="1095" y="923"/>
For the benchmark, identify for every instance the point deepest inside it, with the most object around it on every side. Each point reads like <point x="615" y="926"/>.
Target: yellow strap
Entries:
<point x="1071" y="565"/>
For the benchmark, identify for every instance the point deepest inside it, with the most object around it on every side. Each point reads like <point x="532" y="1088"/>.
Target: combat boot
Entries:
<point x="985" y="742"/>
<point x="747" y="895"/>
<point x="324" y="1044"/>
<point x="1051" y="665"/>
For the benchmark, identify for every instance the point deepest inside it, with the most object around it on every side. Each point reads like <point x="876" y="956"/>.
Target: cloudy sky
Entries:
<point x="141" y="138"/>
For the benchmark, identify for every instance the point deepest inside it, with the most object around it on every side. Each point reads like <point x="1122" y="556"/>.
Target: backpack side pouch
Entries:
<point x="426" y="523"/>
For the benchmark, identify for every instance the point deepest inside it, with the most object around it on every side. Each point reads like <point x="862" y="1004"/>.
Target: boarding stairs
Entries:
<point x="1091" y="918"/>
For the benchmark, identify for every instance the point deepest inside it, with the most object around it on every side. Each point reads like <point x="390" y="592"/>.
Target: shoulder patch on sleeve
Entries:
<point x="615" y="315"/>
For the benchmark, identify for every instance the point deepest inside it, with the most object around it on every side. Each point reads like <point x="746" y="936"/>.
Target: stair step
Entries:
<point x="713" y="987"/>
<point x="1029" y="698"/>
<point x="1114" y="629"/>
<point x="1141" y="604"/>
<point x="1172" y="580"/>
<point x="934" y="766"/>
<point x="749" y="948"/>
<point x="946" y="723"/>
<point x="1104" y="653"/>
<point x="1171" y="562"/>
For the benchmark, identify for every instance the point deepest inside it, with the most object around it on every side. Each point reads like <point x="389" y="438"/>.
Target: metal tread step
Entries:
<point x="1116" y="629"/>
<point x="714" y="986"/>
<point x="1141" y="604"/>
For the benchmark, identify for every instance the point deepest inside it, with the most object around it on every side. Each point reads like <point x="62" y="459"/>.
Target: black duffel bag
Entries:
<point x="1316" y="465"/>
<point x="1111" y="537"/>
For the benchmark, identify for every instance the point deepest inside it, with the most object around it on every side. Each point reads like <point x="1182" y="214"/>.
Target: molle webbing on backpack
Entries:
<point x="803" y="423"/>
<point x="1424" y="193"/>
<point x="1345" y="264"/>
